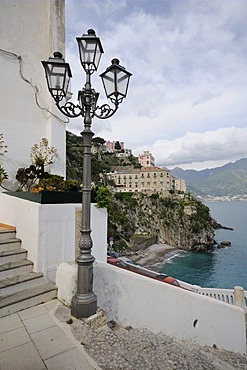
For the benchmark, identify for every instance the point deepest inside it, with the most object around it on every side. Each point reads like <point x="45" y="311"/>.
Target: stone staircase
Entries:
<point x="20" y="287"/>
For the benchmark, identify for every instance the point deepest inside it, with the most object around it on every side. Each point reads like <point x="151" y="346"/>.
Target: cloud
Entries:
<point x="210" y="146"/>
<point x="188" y="60"/>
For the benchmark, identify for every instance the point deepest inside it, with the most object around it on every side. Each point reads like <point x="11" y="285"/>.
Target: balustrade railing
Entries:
<point x="224" y="295"/>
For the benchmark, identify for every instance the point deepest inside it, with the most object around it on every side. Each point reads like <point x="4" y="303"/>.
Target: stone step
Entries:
<point x="6" y="234"/>
<point x="27" y="298"/>
<point x="14" y="284"/>
<point x="15" y="268"/>
<point x="11" y="243"/>
<point x="12" y="255"/>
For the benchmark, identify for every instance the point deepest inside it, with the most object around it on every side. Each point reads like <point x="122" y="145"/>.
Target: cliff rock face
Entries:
<point x="137" y="221"/>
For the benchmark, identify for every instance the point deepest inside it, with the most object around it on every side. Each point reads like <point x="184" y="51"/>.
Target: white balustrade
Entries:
<point x="224" y="295"/>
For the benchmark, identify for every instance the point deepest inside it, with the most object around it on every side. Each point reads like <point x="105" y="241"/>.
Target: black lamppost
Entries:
<point x="115" y="80"/>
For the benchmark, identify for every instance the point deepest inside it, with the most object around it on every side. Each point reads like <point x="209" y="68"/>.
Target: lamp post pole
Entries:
<point x="84" y="302"/>
<point x="115" y="80"/>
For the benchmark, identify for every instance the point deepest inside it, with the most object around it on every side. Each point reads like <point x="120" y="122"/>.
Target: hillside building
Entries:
<point x="126" y="153"/>
<point x="180" y="185"/>
<point x="146" y="159"/>
<point x="110" y="146"/>
<point x="147" y="179"/>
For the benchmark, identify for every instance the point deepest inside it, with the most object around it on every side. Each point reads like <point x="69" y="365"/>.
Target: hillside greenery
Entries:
<point x="137" y="220"/>
<point x="102" y="162"/>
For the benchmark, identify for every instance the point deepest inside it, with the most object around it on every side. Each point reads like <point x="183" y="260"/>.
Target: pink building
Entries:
<point x="110" y="145"/>
<point x="146" y="159"/>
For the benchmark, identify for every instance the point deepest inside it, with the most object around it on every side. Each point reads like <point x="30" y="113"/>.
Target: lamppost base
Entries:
<point x="83" y="305"/>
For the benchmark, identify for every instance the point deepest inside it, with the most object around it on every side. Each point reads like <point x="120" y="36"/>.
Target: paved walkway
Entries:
<point x="34" y="339"/>
<point x="46" y="337"/>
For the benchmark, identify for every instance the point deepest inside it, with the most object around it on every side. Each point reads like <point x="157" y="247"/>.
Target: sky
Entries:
<point x="187" y="98"/>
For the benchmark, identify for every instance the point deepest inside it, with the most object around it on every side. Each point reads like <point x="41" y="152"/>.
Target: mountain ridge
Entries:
<point x="229" y="180"/>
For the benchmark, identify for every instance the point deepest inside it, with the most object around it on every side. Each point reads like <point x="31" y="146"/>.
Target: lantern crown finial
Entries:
<point x="91" y="32"/>
<point x="115" y="61"/>
<point x="57" y="54"/>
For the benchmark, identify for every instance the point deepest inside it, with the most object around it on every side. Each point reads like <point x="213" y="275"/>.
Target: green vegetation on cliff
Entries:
<point x="137" y="220"/>
<point x="102" y="162"/>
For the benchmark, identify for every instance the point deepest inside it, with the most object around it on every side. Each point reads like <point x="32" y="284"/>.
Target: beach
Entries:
<point x="153" y="255"/>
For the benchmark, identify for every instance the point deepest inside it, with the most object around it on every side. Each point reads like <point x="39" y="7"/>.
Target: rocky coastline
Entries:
<point x="138" y="221"/>
<point x="217" y="226"/>
<point x="158" y="253"/>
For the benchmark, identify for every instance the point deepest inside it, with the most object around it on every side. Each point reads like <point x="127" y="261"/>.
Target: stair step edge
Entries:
<point x="12" y="252"/>
<point x="18" y="279"/>
<point x="27" y="294"/>
<point x="13" y="265"/>
<point x="30" y="302"/>
<point x="9" y="241"/>
<point x="7" y="234"/>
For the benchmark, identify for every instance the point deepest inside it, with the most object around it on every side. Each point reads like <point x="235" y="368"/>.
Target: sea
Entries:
<point x="222" y="268"/>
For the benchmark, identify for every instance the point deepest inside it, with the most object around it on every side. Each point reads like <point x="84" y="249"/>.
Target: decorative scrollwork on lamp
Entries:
<point x="70" y="110"/>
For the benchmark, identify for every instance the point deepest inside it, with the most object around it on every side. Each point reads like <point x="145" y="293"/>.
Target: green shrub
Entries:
<point x="72" y="185"/>
<point x="103" y="197"/>
<point x="51" y="183"/>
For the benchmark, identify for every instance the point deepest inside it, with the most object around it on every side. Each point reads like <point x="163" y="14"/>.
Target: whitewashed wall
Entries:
<point x="48" y="231"/>
<point x="132" y="299"/>
<point x="30" y="32"/>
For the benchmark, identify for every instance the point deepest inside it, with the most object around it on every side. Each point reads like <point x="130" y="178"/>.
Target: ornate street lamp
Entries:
<point x="115" y="80"/>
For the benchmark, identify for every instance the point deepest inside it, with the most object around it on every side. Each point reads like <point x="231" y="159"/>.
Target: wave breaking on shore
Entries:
<point x="155" y="255"/>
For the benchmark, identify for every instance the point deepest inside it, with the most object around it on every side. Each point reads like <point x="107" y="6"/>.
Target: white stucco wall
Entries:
<point x="30" y="32"/>
<point x="132" y="299"/>
<point x="47" y="231"/>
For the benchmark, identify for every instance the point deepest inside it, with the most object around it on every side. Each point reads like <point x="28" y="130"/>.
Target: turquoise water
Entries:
<point x="222" y="268"/>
